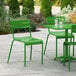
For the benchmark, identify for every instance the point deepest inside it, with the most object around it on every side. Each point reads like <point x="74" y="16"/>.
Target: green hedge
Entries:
<point x="46" y="8"/>
<point x="14" y="8"/>
<point x="28" y="7"/>
<point x="65" y="3"/>
<point x="4" y="26"/>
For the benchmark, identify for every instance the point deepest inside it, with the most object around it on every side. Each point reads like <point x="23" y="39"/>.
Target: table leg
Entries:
<point x="66" y="40"/>
<point x="65" y="51"/>
<point x="65" y="56"/>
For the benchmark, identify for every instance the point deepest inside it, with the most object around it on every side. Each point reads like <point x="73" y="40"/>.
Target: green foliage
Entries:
<point x="20" y="2"/>
<point x="33" y="26"/>
<point x="46" y="8"/>
<point x="14" y="8"/>
<point x="65" y="3"/>
<point x="6" y="2"/>
<point x="36" y="18"/>
<point x="28" y="7"/>
<point x="1" y="2"/>
<point x="37" y="2"/>
<point x="4" y="26"/>
<point x="2" y="14"/>
<point x="53" y="2"/>
<point x="57" y="2"/>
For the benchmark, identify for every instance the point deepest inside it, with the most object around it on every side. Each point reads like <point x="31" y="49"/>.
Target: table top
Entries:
<point x="58" y="27"/>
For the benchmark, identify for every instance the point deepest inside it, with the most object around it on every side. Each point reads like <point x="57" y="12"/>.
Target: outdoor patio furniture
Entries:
<point x="65" y="56"/>
<point x="57" y="34"/>
<point x="73" y="30"/>
<point x="27" y="40"/>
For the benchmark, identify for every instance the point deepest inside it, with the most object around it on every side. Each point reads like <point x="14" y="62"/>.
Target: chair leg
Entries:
<point x="42" y="55"/>
<point x="31" y="53"/>
<point x="64" y="53"/>
<point x="56" y="47"/>
<point x="46" y="44"/>
<point x="69" y="60"/>
<point x="24" y="55"/>
<point x="73" y="46"/>
<point x="10" y="51"/>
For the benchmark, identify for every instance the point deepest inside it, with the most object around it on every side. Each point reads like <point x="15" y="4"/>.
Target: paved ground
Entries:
<point x="34" y="67"/>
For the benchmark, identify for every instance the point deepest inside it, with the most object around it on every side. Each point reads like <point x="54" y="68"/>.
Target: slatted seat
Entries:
<point x="60" y="34"/>
<point x="28" y="40"/>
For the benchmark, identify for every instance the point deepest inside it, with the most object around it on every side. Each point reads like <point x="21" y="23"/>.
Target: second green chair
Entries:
<point x="57" y="34"/>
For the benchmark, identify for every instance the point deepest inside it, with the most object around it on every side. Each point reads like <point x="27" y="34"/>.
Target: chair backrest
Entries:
<point x="19" y="25"/>
<point x="60" y="18"/>
<point x="73" y="28"/>
<point x="50" y="20"/>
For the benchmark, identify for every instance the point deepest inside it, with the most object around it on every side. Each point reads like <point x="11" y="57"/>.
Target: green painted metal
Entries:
<point x="66" y="54"/>
<point x="31" y="53"/>
<point x="24" y="54"/>
<point x="50" y="20"/>
<point x="66" y="40"/>
<point x="66" y="43"/>
<point x="42" y="55"/>
<point x="10" y="51"/>
<point x="73" y="46"/>
<point x="57" y="34"/>
<point x="46" y="43"/>
<point x="27" y="40"/>
<point x="65" y="26"/>
<point x="60" y="18"/>
<point x="69" y="60"/>
<point x="20" y="24"/>
<point x="56" y="47"/>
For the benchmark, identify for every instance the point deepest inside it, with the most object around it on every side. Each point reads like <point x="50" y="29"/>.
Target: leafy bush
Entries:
<point x="14" y="8"/>
<point x="65" y="3"/>
<point x="53" y="2"/>
<point x="4" y="26"/>
<point x="66" y="11"/>
<point x="57" y="2"/>
<point x="6" y="2"/>
<point x="20" y="2"/>
<point x="46" y="8"/>
<point x="5" y="29"/>
<point x="33" y="26"/>
<point x="37" y="2"/>
<point x="36" y="18"/>
<point x="28" y="7"/>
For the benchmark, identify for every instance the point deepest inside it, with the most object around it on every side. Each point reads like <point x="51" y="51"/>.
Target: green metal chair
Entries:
<point x="57" y="34"/>
<point x="73" y="30"/>
<point x="27" y="40"/>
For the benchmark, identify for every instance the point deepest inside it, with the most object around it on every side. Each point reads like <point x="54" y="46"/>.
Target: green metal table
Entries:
<point x="65" y="27"/>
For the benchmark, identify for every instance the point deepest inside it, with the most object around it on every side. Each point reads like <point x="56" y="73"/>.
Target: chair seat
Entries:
<point x="61" y="34"/>
<point x="28" y="40"/>
<point x="69" y="43"/>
